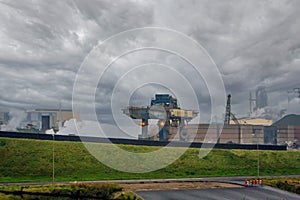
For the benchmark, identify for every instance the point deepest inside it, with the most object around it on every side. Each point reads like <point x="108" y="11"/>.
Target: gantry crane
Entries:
<point x="164" y="108"/>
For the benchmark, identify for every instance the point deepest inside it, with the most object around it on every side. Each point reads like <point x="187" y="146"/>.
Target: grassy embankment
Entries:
<point x="70" y="191"/>
<point x="288" y="184"/>
<point x="31" y="160"/>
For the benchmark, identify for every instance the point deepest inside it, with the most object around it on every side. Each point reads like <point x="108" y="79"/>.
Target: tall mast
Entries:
<point x="228" y="110"/>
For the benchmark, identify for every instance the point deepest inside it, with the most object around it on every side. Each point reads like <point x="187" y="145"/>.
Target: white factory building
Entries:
<point x="36" y="120"/>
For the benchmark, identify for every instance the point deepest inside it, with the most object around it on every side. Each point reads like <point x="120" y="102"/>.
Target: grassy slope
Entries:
<point x="31" y="160"/>
<point x="67" y="191"/>
<point x="288" y="184"/>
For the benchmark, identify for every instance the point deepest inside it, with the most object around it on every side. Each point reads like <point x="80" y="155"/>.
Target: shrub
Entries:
<point x="125" y="195"/>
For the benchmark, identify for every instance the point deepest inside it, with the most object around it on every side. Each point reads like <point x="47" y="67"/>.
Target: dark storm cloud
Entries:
<point x="253" y="42"/>
<point x="43" y="43"/>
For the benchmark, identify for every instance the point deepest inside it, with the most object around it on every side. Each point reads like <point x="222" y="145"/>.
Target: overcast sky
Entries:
<point x="43" y="44"/>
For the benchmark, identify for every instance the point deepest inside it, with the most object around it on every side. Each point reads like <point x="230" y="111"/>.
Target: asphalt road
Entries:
<point x="248" y="193"/>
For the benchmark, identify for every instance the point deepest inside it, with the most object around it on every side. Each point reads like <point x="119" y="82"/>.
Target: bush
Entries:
<point x="125" y="195"/>
<point x="288" y="186"/>
<point x="103" y="191"/>
<point x="73" y="191"/>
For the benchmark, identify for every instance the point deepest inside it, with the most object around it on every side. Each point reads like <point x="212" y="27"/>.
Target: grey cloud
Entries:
<point x="43" y="44"/>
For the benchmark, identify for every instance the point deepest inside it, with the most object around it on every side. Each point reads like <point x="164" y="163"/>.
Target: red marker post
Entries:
<point x="254" y="182"/>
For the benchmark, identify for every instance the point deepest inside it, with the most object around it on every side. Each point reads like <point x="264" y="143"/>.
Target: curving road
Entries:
<point x="245" y="193"/>
<point x="248" y="193"/>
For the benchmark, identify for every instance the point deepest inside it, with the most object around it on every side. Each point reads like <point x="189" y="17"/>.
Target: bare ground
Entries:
<point x="177" y="186"/>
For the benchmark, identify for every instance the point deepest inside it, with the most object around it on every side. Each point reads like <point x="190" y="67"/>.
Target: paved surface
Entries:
<point x="249" y="193"/>
<point x="232" y="179"/>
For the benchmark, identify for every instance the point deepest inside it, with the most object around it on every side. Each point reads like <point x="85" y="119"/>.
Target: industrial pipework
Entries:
<point x="164" y="108"/>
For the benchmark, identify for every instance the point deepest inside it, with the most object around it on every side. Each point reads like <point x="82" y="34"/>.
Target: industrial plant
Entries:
<point x="173" y="122"/>
<point x="36" y="121"/>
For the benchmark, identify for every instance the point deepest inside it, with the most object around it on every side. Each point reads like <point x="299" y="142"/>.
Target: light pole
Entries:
<point x="257" y="149"/>
<point x="53" y="169"/>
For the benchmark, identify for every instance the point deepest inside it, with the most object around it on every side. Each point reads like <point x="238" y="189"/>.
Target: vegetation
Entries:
<point x="288" y="184"/>
<point x="70" y="191"/>
<point x="31" y="160"/>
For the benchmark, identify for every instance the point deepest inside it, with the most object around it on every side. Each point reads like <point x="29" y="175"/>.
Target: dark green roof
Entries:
<point x="292" y="120"/>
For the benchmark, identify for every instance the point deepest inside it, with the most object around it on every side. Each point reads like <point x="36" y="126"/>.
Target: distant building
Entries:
<point x="40" y="119"/>
<point x="288" y="120"/>
<point x="288" y="129"/>
<point x="239" y="134"/>
<point x="248" y="131"/>
<point x="4" y="117"/>
<point x="258" y="100"/>
<point x="261" y="98"/>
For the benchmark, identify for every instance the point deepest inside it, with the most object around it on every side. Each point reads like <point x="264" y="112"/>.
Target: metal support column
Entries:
<point x="144" y="128"/>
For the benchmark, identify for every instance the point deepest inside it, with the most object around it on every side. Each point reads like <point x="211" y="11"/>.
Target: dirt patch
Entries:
<point x="178" y="186"/>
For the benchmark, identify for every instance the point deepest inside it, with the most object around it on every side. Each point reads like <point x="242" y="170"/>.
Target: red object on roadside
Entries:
<point x="253" y="182"/>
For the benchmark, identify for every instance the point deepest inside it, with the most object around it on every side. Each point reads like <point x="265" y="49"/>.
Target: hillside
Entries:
<point x="31" y="160"/>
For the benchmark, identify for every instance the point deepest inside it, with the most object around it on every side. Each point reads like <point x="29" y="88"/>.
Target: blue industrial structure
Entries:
<point x="164" y="108"/>
<point x="165" y="100"/>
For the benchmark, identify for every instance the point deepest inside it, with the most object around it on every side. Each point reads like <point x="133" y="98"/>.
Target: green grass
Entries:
<point x="67" y="191"/>
<point x="31" y="160"/>
<point x="288" y="184"/>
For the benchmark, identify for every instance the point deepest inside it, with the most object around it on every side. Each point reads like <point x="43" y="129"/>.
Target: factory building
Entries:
<point x="4" y="117"/>
<point x="239" y="134"/>
<point x="39" y="120"/>
<point x="284" y="131"/>
<point x="288" y="129"/>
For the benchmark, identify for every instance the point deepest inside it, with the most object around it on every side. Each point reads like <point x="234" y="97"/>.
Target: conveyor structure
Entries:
<point x="164" y="108"/>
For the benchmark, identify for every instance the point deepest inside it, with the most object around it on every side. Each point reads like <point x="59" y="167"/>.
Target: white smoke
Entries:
<point x="16" y="117"/>
<point x="294" y="106"/>
<point x="89" y="128"/>
<point x="152" y="127"/>
<point x="271" y="113"/>
<point x="69" y="128"/>
<point x="50" y="132"/>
